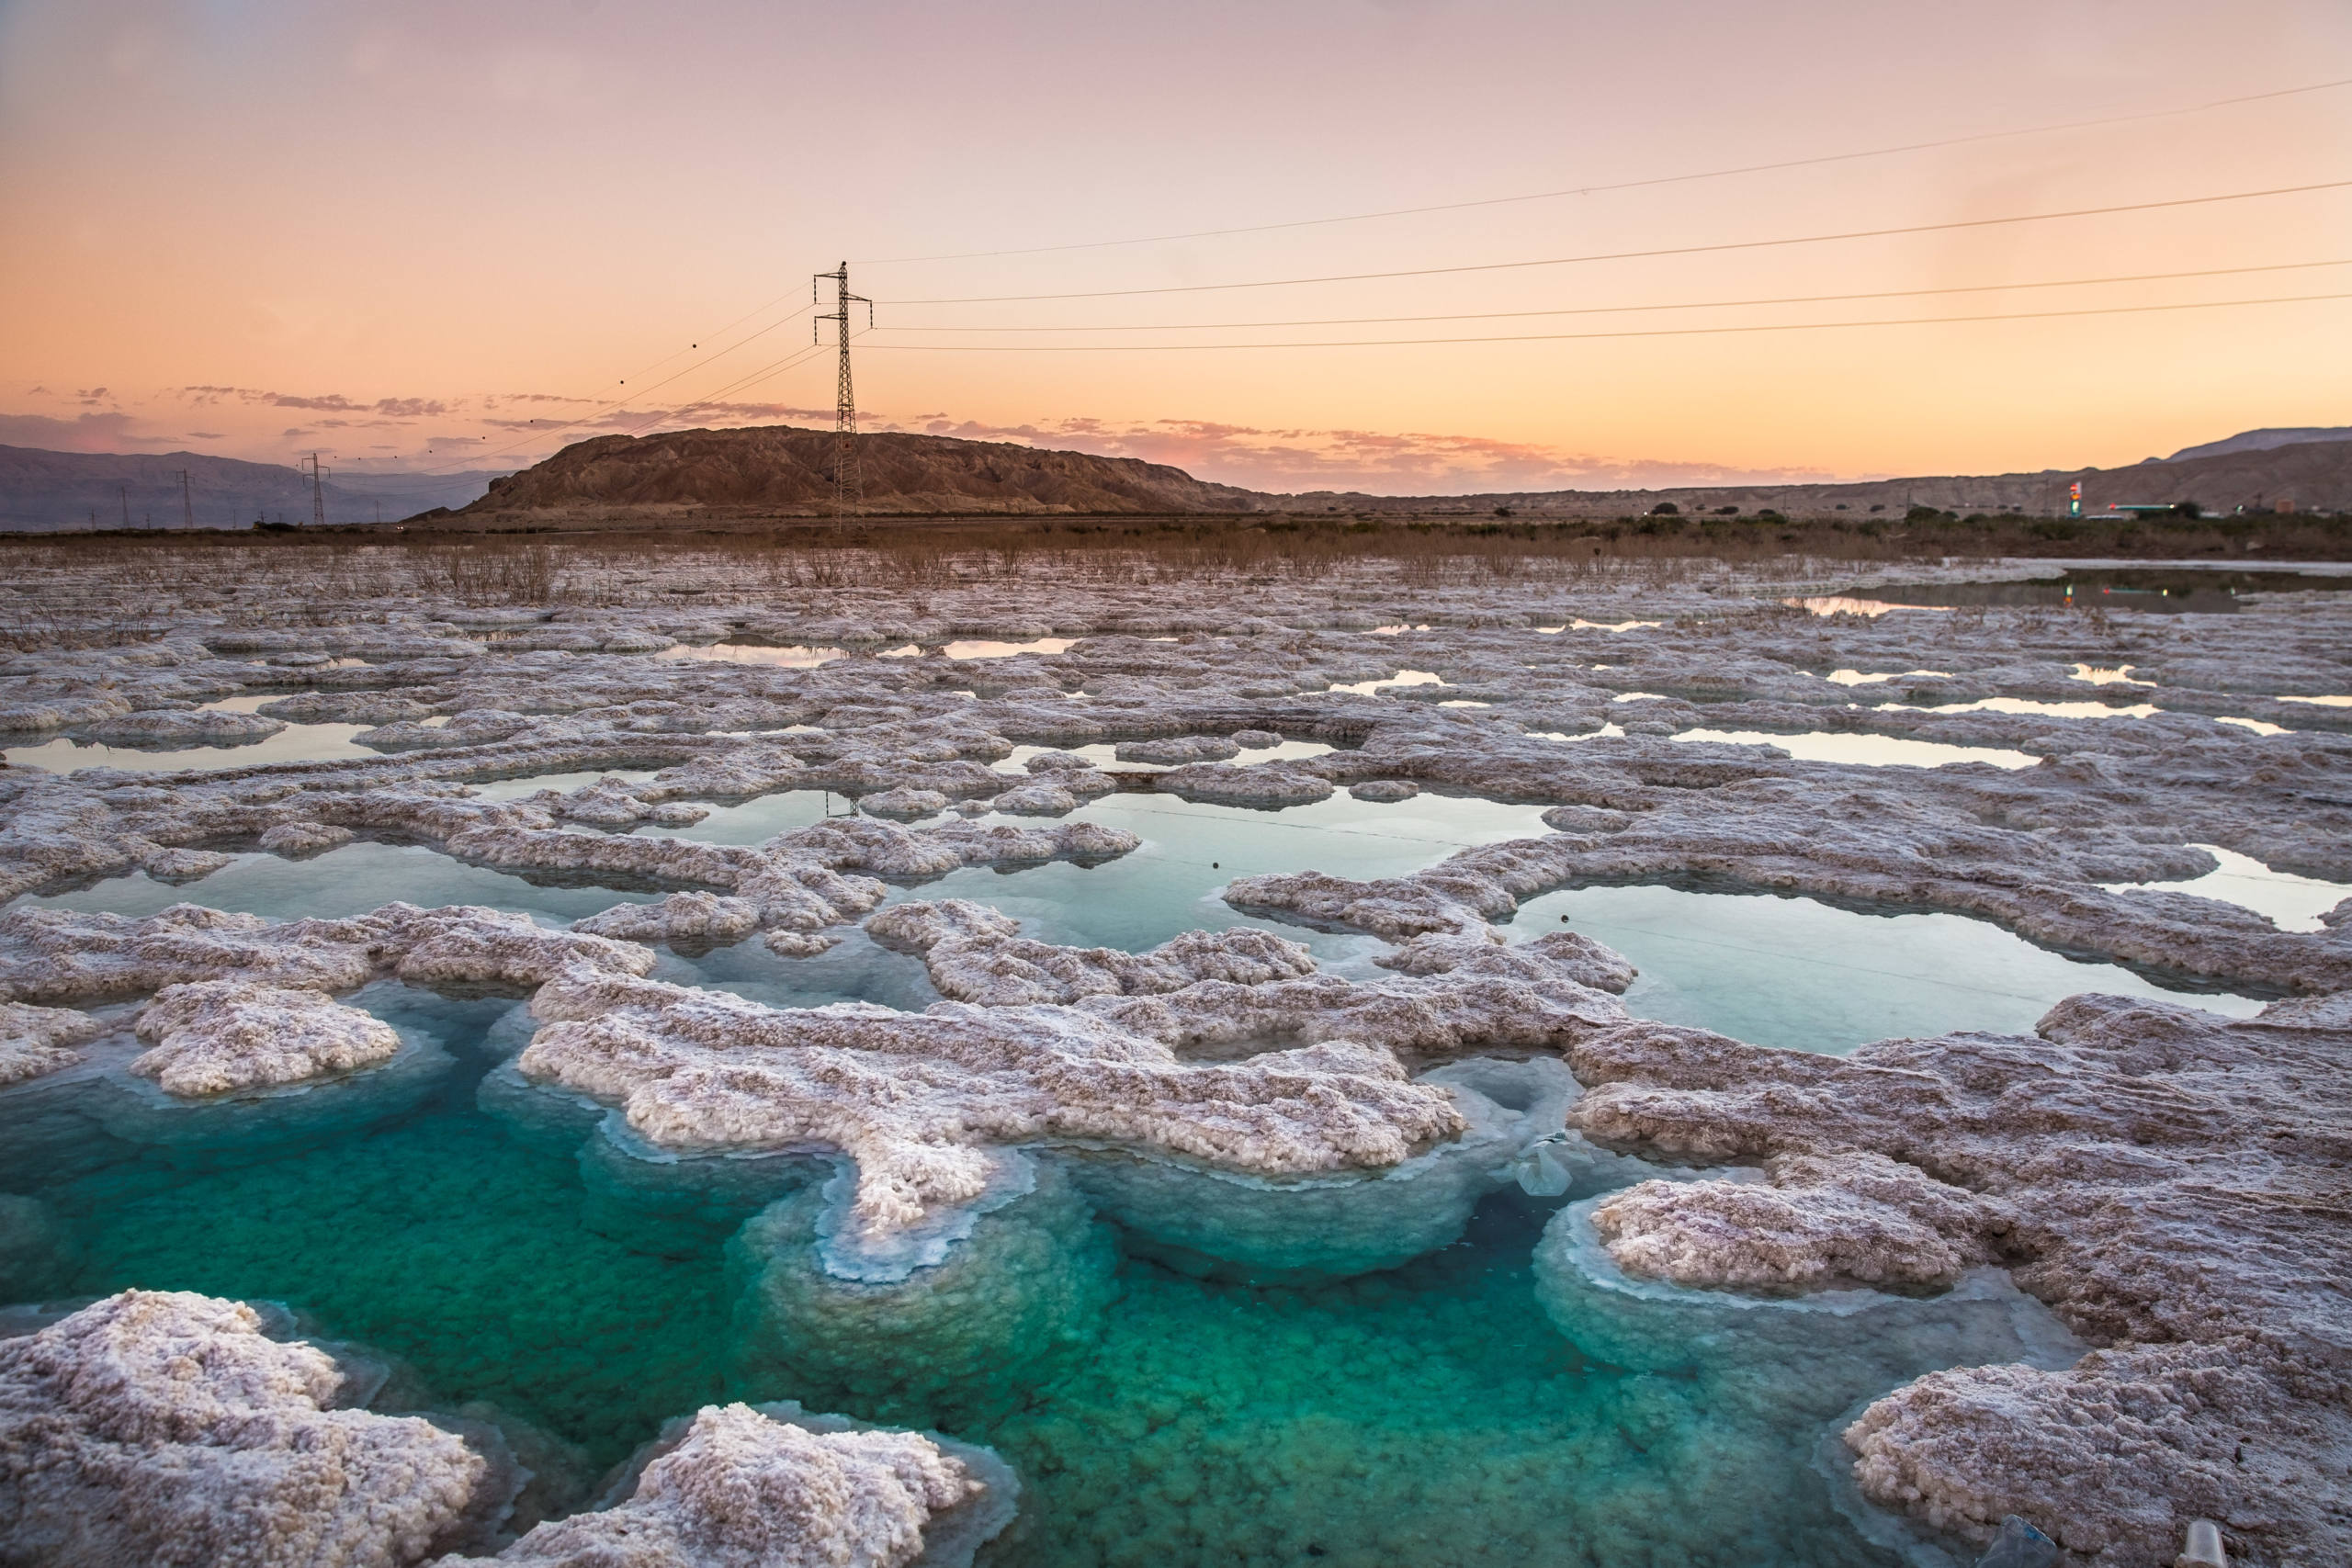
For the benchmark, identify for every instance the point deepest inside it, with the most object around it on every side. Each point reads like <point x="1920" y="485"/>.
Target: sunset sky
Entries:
<point x="401" y="232"/>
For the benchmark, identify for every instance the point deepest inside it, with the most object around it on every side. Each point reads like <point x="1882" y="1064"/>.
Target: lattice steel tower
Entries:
<point x="847" y="488"/>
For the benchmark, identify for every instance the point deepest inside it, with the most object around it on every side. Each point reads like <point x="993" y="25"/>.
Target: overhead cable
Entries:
<point x="1638" y="255"/>
<point x="1630" y="184"/>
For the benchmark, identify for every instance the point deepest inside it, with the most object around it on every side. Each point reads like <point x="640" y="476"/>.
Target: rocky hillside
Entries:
<point x="779" y="468"/>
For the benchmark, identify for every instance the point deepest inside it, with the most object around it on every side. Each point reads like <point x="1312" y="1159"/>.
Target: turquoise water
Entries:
<point x="1810" y="976"/>
<point x="1428" y="1415"/>
<point x="1778" y="971"/>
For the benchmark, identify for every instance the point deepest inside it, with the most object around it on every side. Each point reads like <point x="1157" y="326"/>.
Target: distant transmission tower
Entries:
<point x="846" y="486"/>
<point x="318" y="490"/>
<point x="187" y="505"/>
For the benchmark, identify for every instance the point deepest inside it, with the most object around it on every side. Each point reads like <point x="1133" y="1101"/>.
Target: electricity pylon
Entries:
<point x="847" y="488"/>
<point x="317" y="490"/>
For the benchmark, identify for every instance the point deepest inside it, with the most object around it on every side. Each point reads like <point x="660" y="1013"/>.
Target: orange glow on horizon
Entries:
<point x="424" y="235"/>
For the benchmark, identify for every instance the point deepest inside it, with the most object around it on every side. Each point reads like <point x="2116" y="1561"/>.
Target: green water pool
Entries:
<point x="1430" y="1413"/>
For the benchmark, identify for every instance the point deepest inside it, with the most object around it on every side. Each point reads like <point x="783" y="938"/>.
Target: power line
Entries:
<point x="1637" y="255"/>
<point x="1567" y="337"/>
<point x="1629" y="185"/>
<point x="1620" y="309"/>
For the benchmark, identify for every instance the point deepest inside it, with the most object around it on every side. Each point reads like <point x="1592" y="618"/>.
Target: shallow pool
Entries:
<point x="1432" y="1414"/>
<point x="1802" y="974"/>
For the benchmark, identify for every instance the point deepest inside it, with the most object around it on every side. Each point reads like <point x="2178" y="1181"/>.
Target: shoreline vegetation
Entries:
<point x="1304" y="544"/>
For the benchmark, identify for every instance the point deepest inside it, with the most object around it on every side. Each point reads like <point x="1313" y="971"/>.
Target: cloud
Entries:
<point x="85" y="432"/>
<point x="206" y="436"/>
<point x="1379" y="462"/>
<point x="330" y="402"/>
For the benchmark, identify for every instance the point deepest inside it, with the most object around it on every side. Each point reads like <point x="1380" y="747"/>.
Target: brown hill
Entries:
<point x="779" y="468"/>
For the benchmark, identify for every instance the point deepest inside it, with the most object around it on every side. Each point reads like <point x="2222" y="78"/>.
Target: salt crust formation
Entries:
<point x="912" y="1098"/>
<point x="36" y="1040"/>
<point x="2113" y="1163"/>
<point x="59" y="955"/>
<point x="217" y="1036"/>
<point x="2101" y="1184"/>
<point x="166" y="1428"/>
<point x="976" y="954"/>
<point x="738" y="1489"/>
<point x="169" y="1429"/>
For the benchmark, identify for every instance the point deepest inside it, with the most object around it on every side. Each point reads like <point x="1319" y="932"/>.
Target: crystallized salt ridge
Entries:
<point x="166" y="1428"/>
<point x="36" y="1040"/>
<point x="976" y="954"/>
<point x="61" y="954"/>
<point x="913" y="1098"/>
<point x="741" y="1489"/>
<point x="214" y="1036"/>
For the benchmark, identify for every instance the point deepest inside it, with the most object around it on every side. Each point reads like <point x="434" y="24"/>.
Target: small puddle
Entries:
<point x="2031" y="705"/>
<point x="1856" y="678"/>
<point x="794" y="656"/>
<point x="352" y="880"/>
<point x="1402" y="678"/>
<point x="2292" y="903"/>
<point x="1867" y="751"/>
<point x="295" y="743"/>
<point x="980" y="648"/>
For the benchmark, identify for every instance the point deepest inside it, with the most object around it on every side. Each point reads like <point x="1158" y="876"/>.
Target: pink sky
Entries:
<point x="402" y="232"/>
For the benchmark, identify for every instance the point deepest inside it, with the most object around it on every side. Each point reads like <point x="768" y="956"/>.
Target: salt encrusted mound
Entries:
<point x="800" y="944"/>
<point x="1382" y="790"/>
<point x="36" y="1039"/>
<point x="742" y="1489"/>
<point x="2113" y="1456"/>
<point x="166" y="1428"/>
<point x="183" y="865"/>
<point x="1178" y="748"/>
<point x="615" y="803"/>
<point x="215" y="1036"/>
<point x="293" y="840"/>
<point x="65" y="956"/>
<point x="976" y="954"/>
<point x="1256" y="739"/>
<point x="1039" y="797"/>
<point x="914" y="1099"/>
<point x="1263" y="784"/>
<point x="905" y="803"/>
<point x="1833" y="1221"/>
<point x="166" y="728"/>
<point x="1059" y="762"/>
<point x="1572" y="954"/>
<point x="2169" y="1181"/>
<point x="703" y="918"/>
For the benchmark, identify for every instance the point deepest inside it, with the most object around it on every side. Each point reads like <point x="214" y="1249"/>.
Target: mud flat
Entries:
<point x="1103" y="1048"/>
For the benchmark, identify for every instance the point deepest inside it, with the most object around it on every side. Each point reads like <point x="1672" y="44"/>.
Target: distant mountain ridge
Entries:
<point x="44" y="491"/>
<point x="2262" y="441"/>
<point x="784" y="470"/>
